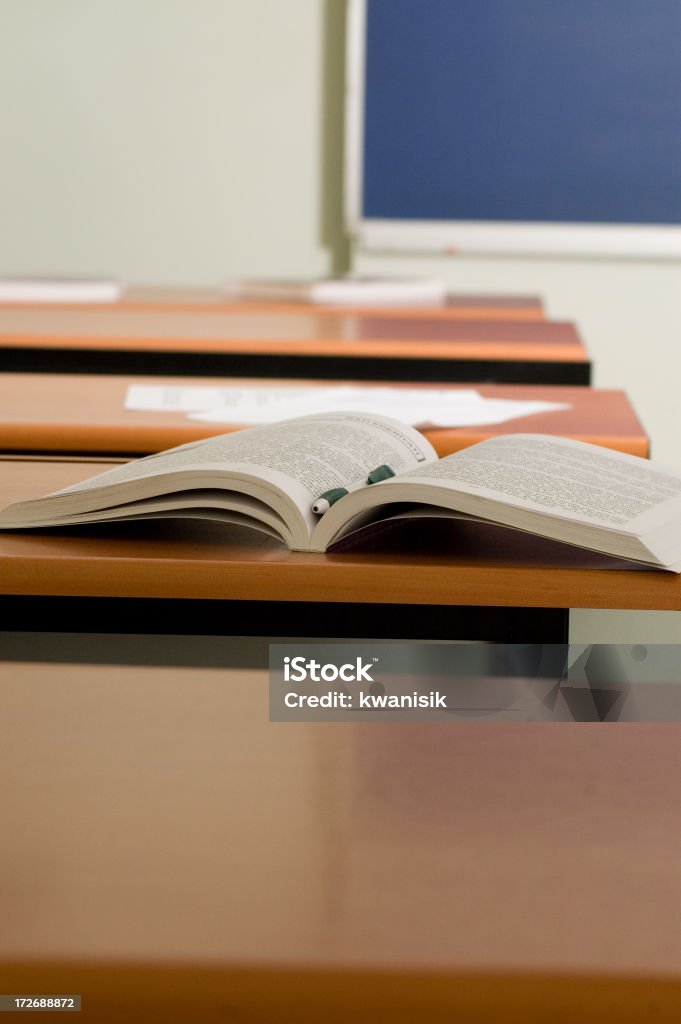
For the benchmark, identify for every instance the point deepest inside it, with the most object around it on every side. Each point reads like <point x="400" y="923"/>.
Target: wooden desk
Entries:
<point x="456" y="306"/>
<point x="84" y="413"/>
<point x="451" y="581"/>
<point x="172" y="856"/>
<point x="290" y="344"/>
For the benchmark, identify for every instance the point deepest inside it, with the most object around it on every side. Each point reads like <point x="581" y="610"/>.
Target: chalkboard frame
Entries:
<point x="658" y="241"/>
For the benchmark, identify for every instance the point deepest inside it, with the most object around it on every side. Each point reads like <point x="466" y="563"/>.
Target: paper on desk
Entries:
<point x="488" y="411"/>
<point x="261" y="403"/>
<point x="59" y="289"/>
<point x="169" y="398"/>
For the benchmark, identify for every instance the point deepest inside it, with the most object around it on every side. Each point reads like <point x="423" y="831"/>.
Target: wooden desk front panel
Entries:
<point x="85" y="413"/>
<point x="170" y="853"/>
<point x="451" y="564"/>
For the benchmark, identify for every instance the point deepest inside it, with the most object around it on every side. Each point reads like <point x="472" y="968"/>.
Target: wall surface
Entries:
<point x="178" y="141"/>
<point x="171" y="141"/>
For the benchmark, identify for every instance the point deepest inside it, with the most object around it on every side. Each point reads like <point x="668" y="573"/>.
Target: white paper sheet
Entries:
<point x="254" y="404"/>
<point x="49" y="290"/>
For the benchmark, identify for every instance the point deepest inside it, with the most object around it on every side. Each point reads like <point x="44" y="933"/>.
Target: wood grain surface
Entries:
<point x="171" y="855"/>
<point x="293" y="333"/>
<point x="80" y="412"/>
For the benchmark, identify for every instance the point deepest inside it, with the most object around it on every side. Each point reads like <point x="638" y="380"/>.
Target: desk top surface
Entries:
<point x="85" y="413"/>
<point x="290" y="332"/>
<point x="158" y="818"/>
<point x="456" y="306"/>
<point x="450" y="563"/>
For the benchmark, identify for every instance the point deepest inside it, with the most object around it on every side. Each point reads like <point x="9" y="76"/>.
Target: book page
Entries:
<point x="574" y="480"/>
<point x="318" y="452"/>
<point x="287" y="465"/>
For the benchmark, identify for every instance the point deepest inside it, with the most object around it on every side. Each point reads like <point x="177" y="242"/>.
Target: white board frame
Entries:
<point x="475" y="237"/>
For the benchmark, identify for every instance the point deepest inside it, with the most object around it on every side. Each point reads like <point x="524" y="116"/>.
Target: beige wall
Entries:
<point x="170" y="140"/>
<point x="187" y="141"/>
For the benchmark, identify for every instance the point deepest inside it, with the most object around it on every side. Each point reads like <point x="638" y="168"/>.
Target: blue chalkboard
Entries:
<point x="523" y="110"/>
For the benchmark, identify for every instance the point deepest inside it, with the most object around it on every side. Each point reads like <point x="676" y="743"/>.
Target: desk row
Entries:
<point x="138" y="338"/>
<point x="93" y="414"/>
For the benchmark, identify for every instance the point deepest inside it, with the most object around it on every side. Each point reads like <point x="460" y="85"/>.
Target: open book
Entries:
<point x="271" y="478"/>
